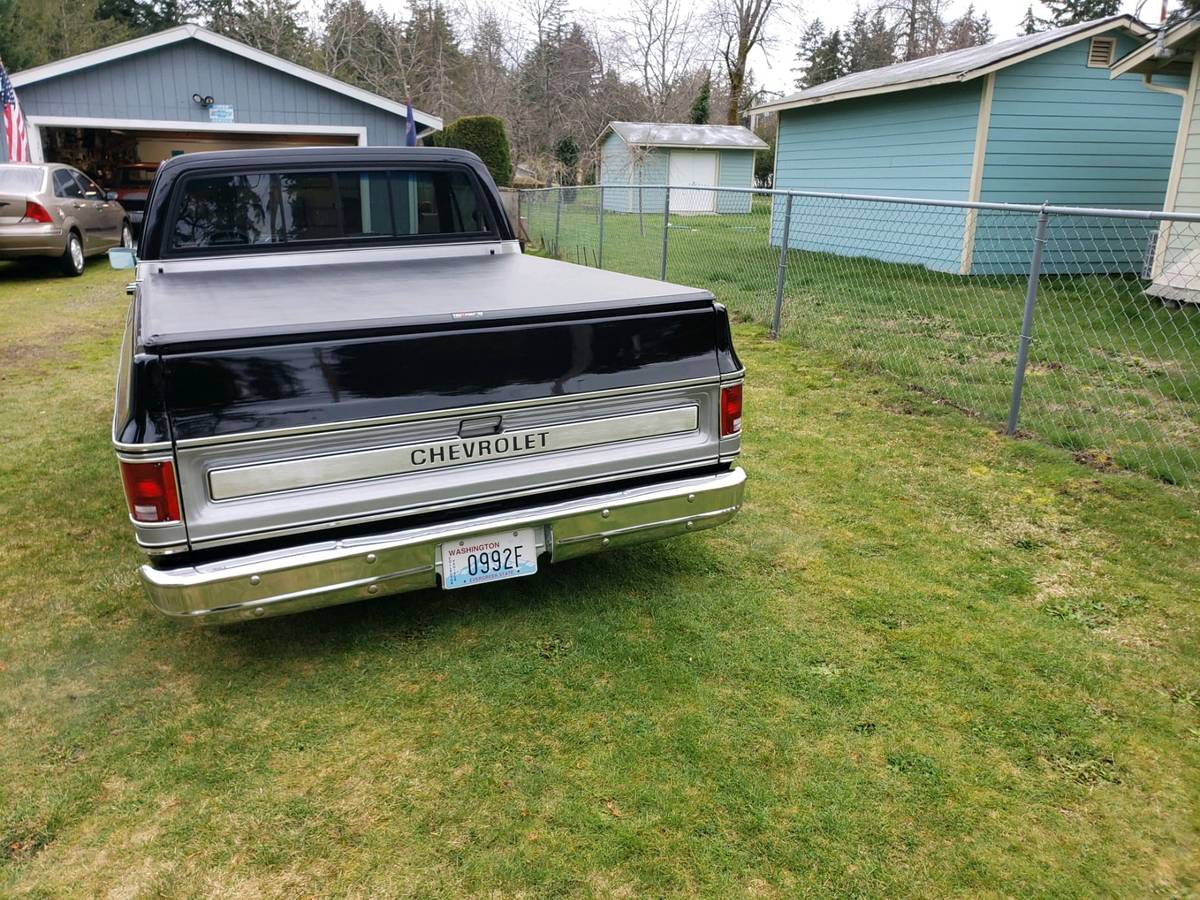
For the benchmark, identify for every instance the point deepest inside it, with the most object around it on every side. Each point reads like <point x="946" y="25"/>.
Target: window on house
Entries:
<point x="1100" y="52"/>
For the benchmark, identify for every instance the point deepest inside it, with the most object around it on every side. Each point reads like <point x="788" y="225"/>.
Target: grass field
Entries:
<point x="925" y="660"/>
<point x="1113" y="375"/>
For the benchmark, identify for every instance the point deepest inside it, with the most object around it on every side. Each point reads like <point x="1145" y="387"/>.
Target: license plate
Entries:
<point x="489" y="557"/>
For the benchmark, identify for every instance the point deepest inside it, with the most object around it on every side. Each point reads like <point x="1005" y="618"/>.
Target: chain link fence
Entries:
<point x="1080" y="327"/>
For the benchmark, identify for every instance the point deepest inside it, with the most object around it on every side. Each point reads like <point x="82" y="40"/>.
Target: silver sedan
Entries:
<point x="56" y="211"/>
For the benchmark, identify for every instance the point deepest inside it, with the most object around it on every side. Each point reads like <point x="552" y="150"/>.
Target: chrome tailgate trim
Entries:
<point x="421" y="456"/>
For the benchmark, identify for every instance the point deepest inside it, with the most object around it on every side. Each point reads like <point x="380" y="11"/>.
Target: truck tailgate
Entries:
<point x="278" y="434"/>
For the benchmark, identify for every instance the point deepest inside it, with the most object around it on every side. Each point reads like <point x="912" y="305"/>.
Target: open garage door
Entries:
<point x="122" y="156"/>
<point x="101" y="152"/>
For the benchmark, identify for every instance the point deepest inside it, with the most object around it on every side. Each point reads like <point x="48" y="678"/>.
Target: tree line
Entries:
<point x="893" y="31"/>
<point x="888" y="32"/>
<point x="554" y="78"/>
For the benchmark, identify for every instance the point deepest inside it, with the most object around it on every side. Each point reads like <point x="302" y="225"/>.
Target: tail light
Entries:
<point x="150" y="491"/>
<point x="35" y="212"/>
<point x="731" y="410"/>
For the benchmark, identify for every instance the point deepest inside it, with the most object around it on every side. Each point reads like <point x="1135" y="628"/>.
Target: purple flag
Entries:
<point x="410" y="127"/>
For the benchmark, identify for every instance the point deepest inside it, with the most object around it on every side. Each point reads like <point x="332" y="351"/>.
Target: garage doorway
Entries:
<point x="102" y="152"/>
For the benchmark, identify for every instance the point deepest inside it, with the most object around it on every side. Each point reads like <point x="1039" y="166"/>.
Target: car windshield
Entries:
<point x="253" y="209"/>
<point x="21" y="179"/>
<point x="135" y="177"/>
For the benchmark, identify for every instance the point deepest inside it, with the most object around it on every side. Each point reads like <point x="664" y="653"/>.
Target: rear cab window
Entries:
<point x="249" y="211"/>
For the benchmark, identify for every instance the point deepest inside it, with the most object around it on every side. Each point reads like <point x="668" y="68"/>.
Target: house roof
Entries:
<point x="955" y="66"/>
<point x="1149" y="58"/>
<point x="196" y="32"/>
<point x="676" y="134"/>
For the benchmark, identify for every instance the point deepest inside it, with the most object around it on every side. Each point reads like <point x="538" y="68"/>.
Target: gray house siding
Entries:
<point x="159" y="84"/>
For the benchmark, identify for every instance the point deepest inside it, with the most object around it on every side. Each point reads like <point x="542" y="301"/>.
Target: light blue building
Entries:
<point x="634" y="154"/>
<point x="1031" y="120"/>
<point x="187" y="89"/>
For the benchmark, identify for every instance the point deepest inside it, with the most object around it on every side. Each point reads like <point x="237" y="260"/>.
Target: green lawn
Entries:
<point x="1113" y="375"/>
<point x="926" y="660"/>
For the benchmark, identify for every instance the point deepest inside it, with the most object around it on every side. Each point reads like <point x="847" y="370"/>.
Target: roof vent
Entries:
<point x="1100" y="53"/>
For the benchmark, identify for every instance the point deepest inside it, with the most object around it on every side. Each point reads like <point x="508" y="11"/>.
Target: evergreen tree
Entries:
<point x="700" y="112"/>
<point x="566" y="154"/>
<point x="870" y="42"/>
<point x="1029" y="24"/>
<point x="147" y="16"/>
<point x="969" y="30"/>
<point x="810" y="42"/>
<point x="828" y="61"/>
<point x="1071" y="12"/>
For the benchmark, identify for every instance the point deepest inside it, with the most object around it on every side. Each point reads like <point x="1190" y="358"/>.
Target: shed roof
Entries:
<point x="196" y="32"/>
<point x="678" y="134"/>
<point x="955" y="66"/>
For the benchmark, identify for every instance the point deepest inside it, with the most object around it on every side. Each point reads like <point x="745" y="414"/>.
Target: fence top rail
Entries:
<point x="1036" y="208"/>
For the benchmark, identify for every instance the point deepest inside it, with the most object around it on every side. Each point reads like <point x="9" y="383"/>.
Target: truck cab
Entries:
<point x="342" y="378"/>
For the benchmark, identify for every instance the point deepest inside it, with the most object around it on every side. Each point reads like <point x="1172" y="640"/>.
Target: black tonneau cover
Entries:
<point x="189" y="311"/>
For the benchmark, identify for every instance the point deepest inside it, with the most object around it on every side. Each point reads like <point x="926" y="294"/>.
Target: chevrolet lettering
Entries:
<point x="341" y="378"/>
<point x="480" y="448"/>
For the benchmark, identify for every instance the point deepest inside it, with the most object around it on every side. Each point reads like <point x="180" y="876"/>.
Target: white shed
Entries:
<point x="682" y="155"/>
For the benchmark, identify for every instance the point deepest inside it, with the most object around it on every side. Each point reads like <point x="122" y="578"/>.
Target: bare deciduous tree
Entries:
<point x="660" y="39"/>
<point x="741" y="25"/>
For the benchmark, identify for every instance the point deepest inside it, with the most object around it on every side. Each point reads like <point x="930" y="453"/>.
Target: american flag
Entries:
<point x="16" y="135"/>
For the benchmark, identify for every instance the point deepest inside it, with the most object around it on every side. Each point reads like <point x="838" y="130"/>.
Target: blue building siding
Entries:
<point x="158" y="84"/>
<point x="1064" y="133"/>
<point x="619" y="167"/>
<point x="735" y="169"/>
<point x="915" y="143"/>
<point x="1058" y="131"/>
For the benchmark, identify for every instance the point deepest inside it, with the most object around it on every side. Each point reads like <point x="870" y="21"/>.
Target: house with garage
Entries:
<point x="1034" y="119"/>
<point x="187" y="89"/>
<point x="688" y="157"/>
<point x="1175" y="53"/>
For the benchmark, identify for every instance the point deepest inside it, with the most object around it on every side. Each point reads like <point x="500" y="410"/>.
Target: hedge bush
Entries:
<point x="485" y="137"/>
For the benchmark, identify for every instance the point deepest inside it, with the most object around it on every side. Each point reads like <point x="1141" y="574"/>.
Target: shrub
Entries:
<point x="485" y="137"/>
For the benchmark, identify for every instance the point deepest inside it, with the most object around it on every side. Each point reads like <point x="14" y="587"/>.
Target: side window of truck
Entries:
<point x="294" y="208"/>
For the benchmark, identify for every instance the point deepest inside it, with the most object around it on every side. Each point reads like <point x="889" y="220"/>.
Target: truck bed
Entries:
<point x="190" y="310"/>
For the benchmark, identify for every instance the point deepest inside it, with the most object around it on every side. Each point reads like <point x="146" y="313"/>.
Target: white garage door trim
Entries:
<point x="692" y="167"/>
<point x="36" y="123"/>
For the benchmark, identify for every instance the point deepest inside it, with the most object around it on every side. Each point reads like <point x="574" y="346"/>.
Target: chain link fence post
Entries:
<point x="558" y="192"/>
<point x="1031" y="290"/>
<point x="600" y="247"/>
<point x="666" y="227"/>
<point x="781" y="273"/>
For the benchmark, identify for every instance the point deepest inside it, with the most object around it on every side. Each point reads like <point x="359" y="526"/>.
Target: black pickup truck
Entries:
<point x="342" y="378"/>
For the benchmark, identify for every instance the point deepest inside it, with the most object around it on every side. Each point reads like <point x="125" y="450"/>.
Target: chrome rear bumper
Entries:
<point x="332" y="572"/>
